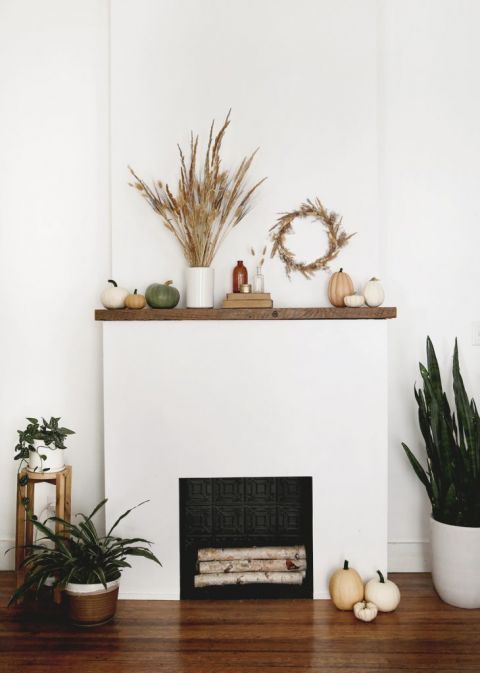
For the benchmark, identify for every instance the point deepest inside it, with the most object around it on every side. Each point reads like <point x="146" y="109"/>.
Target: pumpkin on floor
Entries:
<point x="384" y="593"/>
<point x="135" y="300"/>
<point x="339" y="287"/>
<point x="346" y="587"/>
<point x="365" y="611"/>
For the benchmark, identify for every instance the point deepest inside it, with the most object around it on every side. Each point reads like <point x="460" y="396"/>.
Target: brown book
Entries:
<point x="248" y="296"/>
<point x="248" y="303"/>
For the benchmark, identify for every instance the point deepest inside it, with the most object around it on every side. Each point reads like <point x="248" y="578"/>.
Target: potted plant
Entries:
<point x="87" y="565"/>
<point x="452" y="482"/>
<point x="209" y="202"/>
<point x="40" y="445"/>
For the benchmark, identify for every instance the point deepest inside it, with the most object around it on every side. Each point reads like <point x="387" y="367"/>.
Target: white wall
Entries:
<point x="301" y="79"/>
<point x="54" y="230"/>
<point x="430" y="173"/>
<point x="321" y="136"/>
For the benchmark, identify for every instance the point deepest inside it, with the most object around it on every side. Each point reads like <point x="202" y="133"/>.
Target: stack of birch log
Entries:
<point x="251" y="565"/>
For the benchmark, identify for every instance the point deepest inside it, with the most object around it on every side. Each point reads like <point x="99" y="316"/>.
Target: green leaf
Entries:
<point x="124" y="515"/>
<point x="419" y="471"/>
<point x="434" y="371"/>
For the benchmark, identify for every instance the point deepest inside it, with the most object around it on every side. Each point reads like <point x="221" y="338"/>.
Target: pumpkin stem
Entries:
<point x="345" y="565"/>
<point x="112" y="281"/>
<point x="134" y="292"/>
<point x="341" y="269"/>
<point x="382" y="578"/>
<point x="168" y="282"/>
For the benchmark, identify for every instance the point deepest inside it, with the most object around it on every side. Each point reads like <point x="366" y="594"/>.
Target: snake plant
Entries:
<point x="452" y="441"/>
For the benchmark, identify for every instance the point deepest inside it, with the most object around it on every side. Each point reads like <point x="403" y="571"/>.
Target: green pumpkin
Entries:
<point x="162" y="295"/>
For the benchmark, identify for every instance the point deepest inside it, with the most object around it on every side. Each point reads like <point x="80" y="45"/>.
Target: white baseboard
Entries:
<point x="7" y="561"/>
<point x="127" y="596"/>
<point x="131" y="596"/>
<point x="409" y="556"/>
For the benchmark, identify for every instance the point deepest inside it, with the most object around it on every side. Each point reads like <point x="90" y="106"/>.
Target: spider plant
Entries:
<point x="452" y="441"/>
<point x="79" y="555"/>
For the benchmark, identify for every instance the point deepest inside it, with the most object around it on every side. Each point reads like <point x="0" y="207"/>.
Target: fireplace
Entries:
<point x="246" y="538"/>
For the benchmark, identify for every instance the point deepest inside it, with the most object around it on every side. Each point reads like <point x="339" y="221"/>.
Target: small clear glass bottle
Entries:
<point x="259" y="281"/>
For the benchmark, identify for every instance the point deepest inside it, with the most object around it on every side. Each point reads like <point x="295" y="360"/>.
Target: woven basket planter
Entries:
<point x="91" y="604"/>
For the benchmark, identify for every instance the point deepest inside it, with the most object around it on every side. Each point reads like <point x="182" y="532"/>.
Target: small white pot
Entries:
<point x="200" y="287"/>
<point x="455" y="571"/>
<point x="54" y="458"/>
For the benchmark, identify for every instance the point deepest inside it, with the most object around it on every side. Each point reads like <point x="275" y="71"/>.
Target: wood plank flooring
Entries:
<point x="424" y="635"/>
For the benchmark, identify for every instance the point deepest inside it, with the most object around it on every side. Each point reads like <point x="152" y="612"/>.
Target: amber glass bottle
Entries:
<point x="240" y="276"/>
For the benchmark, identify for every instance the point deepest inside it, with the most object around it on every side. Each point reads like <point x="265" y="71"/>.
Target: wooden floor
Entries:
<point x="423" y="635"/>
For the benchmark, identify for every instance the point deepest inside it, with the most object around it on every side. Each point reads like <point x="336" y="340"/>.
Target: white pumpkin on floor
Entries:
<point x="384" y="593"/>
<point x="365" y="611"/>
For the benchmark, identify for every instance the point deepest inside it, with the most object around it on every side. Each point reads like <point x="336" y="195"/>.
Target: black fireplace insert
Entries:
<point x="251" y="515"/>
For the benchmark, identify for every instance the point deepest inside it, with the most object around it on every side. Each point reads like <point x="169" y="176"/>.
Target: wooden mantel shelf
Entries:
<point x="323" y="313"/>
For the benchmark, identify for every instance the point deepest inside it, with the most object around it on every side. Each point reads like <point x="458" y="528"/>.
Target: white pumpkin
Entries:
<point x="354" y="300"/>
<point x="365" y="611"/>
<point x="384" y="593"/>
<point x="373" y="293"/>
<point x="114" y="297"/>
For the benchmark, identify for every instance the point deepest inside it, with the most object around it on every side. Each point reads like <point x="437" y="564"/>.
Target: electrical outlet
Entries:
<point x="475" y="333"/>
<point x="51" y="508"/>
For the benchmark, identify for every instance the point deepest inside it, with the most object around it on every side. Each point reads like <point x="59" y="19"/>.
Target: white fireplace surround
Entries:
<point x="248" y="398"/>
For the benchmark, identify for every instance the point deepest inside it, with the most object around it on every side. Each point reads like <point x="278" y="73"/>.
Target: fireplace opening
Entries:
<point x="246" y="537"/>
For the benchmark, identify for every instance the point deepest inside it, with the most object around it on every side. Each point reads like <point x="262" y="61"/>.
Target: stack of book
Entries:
<point x="248" y="300"/>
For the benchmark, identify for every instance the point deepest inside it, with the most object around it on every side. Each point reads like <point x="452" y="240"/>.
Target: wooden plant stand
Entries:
<point x="24" y="528"/>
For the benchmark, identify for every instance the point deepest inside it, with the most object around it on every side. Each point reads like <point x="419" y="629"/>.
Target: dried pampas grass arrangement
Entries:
<point x="209" y="201"/>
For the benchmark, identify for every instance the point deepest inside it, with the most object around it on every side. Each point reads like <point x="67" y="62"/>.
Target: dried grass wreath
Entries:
<point x="337" y="237"/>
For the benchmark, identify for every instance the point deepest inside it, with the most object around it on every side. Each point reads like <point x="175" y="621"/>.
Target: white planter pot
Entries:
<point x="199" y="287"/>
<point x="54" y="460"/>
<point x="85" y="589"/>
<point x="455" y="573"/>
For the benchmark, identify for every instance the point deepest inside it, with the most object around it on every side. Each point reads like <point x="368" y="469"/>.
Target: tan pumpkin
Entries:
<point x="135" y="300"/>
<point x="339" y="287"/>
<point x="346" y="587"/>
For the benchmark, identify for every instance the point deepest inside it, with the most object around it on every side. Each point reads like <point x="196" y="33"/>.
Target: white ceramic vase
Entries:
<point x="200" y="287"/>
<point x="54" y="458"/>
<point x="455" y="573"/>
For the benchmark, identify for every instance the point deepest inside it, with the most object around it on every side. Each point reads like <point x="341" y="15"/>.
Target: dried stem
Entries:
<point x="209" y="201"/>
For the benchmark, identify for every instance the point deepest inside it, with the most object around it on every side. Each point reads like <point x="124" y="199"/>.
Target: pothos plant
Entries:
<point x="49" y="433"/>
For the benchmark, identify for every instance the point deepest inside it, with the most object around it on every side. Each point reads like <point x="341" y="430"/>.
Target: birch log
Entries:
<point x="224" y="579"/>
<point x="252" y="565"/>
<point x="294" y="552"/>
